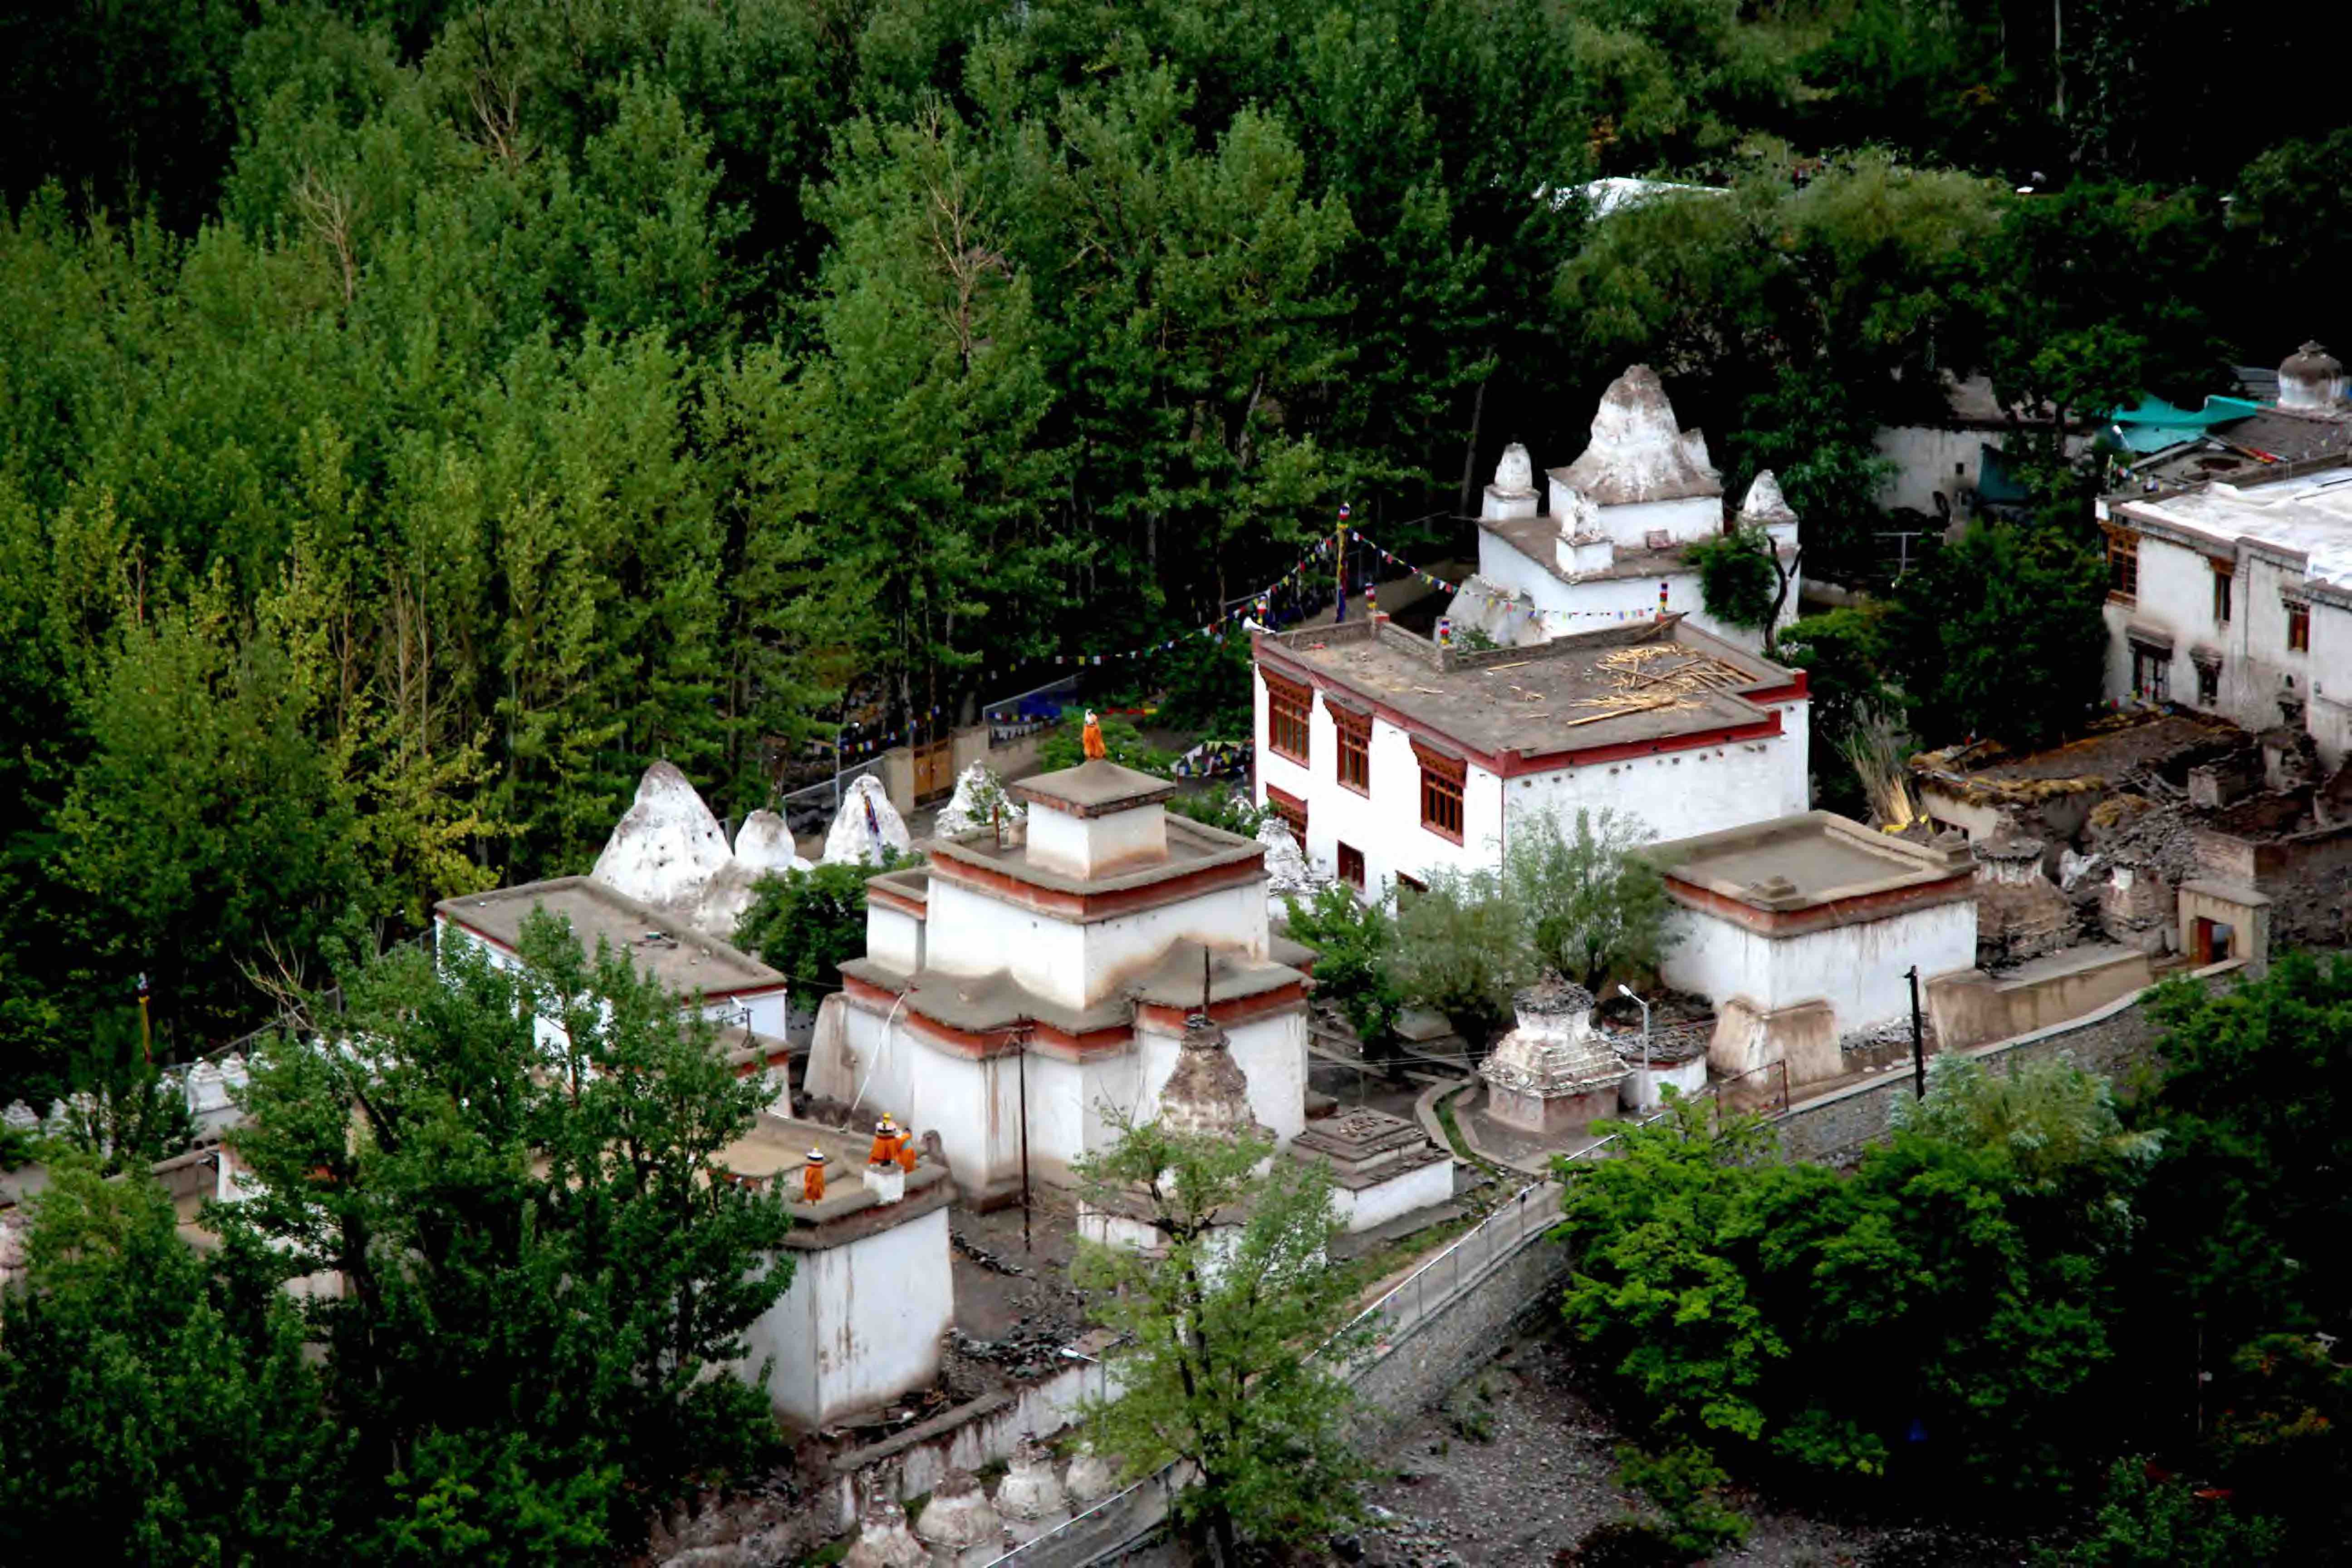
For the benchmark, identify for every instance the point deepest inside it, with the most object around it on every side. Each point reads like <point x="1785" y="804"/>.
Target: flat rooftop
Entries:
<point x="661" y="946"/>
<point x="1810" y="859"/>
<point x="2166" y="743"/>
<point x="1537" y="538"/>
<point x="1643" y="681"/>
<point x="2307" y="516"/>
<point x="1192" y="847"/>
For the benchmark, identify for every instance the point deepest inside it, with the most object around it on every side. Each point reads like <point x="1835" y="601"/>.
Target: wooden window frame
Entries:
<point x="2224" y="578"/>
<point x="2298" y="625"/>
<point x="1443" y="779"/>
<point x="1353" y="766"/>
<point x="1405" y="884"/>
<point x="2123" y="566"/>
<point x="1348" y="861"/>
<point x="1291" y="809"/>
<point x="1289" y="706"/>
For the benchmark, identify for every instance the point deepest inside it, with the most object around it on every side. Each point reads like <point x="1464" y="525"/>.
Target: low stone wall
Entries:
<point x="2115" y="1039"/>
<point x="1459" y="1338"/>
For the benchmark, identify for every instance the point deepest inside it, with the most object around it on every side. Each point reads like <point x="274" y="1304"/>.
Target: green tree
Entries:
<point x="1592" y="905"/>
<point x="807" y="924"/>
<point x="1232" y="1364"/>
<point x="1460" y="947"/>
<point x="1743" y="582"/>
<point x="1353" y="939"/>
<point x="154" y="1416"/>
<point x="2148" y="1519"/>
<point x="2001" y="634"/>
<point x="545" y="1279"/>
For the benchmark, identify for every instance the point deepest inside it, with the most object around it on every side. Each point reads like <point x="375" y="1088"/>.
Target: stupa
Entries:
<point x="1551" y="1074"/>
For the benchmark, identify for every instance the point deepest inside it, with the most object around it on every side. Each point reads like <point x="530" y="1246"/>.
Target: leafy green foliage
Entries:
<point x="1064" y="746"/>
<point x="1684" y="1484"/>
<point x="1592" y="906"/>
<point x="1460" y="947"/>
<point x="1722" y="1288"/>
<point x="2147" y="1519"/>
<point x="157" y="1412"/>
<point x="1223" y="806"/>
<point x="1223" y="1323"/>
<point x="1352" y="938"/>
<point x="2001" y="634"/>
<point x="545" y="1283"/>
<point x="806" y="924"/>
<point x="1739" y="580"/>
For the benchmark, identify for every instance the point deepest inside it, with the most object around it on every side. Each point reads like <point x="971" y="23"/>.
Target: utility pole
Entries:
<point x="1622" y="990"/>
<point x="1918" y="1048"/>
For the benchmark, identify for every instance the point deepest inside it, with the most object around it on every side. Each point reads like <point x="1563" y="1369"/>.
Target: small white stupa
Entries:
<point x="667" y="847"/>
<point x="980" y="799"/>
<point x="884" y="1541"/>
<point x="1030" y="1499"/>
<point x="959" y="1524"/>
<point x="1551" y="1074"/>
<point x="866" y="823"/>
<point x="1288" y="874"/>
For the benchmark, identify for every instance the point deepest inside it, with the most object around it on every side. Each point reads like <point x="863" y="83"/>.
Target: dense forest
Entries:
<point x="415" y="417"/>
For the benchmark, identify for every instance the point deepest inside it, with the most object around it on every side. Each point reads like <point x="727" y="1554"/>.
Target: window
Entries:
<point x="1405" y="884"/>
<point x="1287" y="706"/>
<point x="2152" y="674"/>
<point x="2123" y="566"/>
<point x="2298" y="627"/>
<point x="2208" y="685"/>
<point x="1351" y="866"/>
<point x="1291" y="809"/>
<point x="1441" y="791"/>
<point x="2221" y="580"/>
<point x="1355" y="734"/>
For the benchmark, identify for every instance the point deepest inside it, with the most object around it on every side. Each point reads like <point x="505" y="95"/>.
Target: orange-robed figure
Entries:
<point x="888" y="1140"/>
<point x="813" y="1177"/>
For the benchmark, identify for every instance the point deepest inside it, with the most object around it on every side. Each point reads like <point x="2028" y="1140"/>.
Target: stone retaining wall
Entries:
<point x="1457" y="1339"/>
<point x="2116" y="1039"/>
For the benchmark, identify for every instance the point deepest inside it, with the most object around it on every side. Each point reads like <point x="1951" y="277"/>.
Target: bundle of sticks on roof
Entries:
<point x="1651" y="678"/>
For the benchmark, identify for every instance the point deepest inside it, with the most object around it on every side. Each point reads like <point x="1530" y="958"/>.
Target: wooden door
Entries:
<point x="934" y="771"/>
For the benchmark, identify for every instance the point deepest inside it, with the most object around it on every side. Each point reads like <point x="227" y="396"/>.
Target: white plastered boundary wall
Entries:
<point x="1676" y="795"/>
<point x="1858" y="969"/>
<point x="2176" y="596"/>
<point x="1424" y="1186"/>
<point x="861" y="1323"/>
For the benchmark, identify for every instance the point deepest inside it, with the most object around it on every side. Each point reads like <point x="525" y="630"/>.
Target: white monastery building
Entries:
<point x="1611" y="543"/>
<point x="726" y="984"/>
<point x="1038" y="978"/>
<point x="1389" y="756"/>
<point x="2234" y="594"/>
<point x="1800" y="931"/>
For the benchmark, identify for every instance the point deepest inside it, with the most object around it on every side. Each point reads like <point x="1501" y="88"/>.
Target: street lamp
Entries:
<point x="1622" y="990"/>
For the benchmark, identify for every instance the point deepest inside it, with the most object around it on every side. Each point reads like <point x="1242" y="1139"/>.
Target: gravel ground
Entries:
<point x="1543" y="1476"/>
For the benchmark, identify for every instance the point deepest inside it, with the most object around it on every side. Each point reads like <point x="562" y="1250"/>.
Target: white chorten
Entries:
<point x="866" y="823"/>
<point x="980" y="799"/>
<point x="666" y="847"/>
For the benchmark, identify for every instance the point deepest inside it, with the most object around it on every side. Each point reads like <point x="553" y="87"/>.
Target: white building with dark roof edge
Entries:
<point x="1392" y="757"/>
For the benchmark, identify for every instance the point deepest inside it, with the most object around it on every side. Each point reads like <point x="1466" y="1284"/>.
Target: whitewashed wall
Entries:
<point x="1422" y="1187"/>
<point x="1676" y="795"/>
<point x="860" y="1324"/>
<point x="1858" y="969"/>
<point x="1608" y="601"/>
<point x="1679" y="794"/>
<point x="2176" y="594"/>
